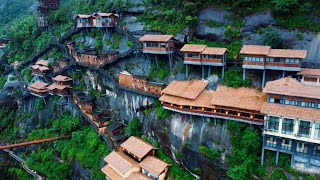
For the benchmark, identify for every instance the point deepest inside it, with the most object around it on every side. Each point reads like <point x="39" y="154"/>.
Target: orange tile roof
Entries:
<point x="214" y="51"/>
<point x="309" y="72"/>
<point x="120" y="162"/>
<point x="287" y="53"/>
<point x="138" y="176"/>
<point x="137" y="147"/>
<point x="255" y="49"/>
<point x="57" y="86"/>
<point x="154" y="165"/>
<point x="39" y="85"/>
<point x="291" y="111"/>
<point x="42" y="62"/>
<point x="156" y="38"/>
<point x="291" y="87"/>
<point x="242" y="98"/>
<point x="62" y="78"/>
<point x="43" y="68"/>
<point x="198" y="48"/>
<point x="203" y="100"/>
<point x="185" y="89"/>
<point x="103" y="14"/>
<point x="111" y="173"/>
<point x="83" y="16"/>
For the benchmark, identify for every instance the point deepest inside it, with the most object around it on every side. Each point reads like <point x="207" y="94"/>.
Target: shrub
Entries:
<point x="278" y="174"/>
<point x="299" y="36"/>
<point x="214" y="24"/>
<point x="272" y="38"/>
<point x="285" y="6"/>
<point x="3" y="80"/>
<point x="134" y="128"/>
<point x="27" y="73"/>
<point x="40" y="104"/>
<point x="233" y="78"/>
<point x="116" y="41"/>
<point x="130" y="44"/>
<point x="209" y="153"/>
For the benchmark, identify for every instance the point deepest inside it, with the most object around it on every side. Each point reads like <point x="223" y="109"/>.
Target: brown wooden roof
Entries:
<point x="103" y="14"/>
<point x="120" y="162"/>
<point x="255" y="49"/>
<point x="291" y="87"/>
<point x="155" y="38"/>
<point x="242" y="98"/>
<point x="57" y="86"/>
<point x="83" y="16"/>
<point x="185" y="89"/>
<point x="287" y="53"/>
<point x="154" y="165"/>
<point x="137" y="147"/>
<point x="309" y="72"/>
<point x="291" y="111"/>
<point x="39" y="85"/>
<point x="138" y="176"/>
<point x="111" y="173"/>
<point x="214" y="51"/>
<point x="42" y="62"/>
<point x="62" y="78"/>
<point x="197" y="48"/>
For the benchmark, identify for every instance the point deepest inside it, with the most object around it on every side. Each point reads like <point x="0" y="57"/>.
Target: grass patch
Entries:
<point x="3" y="80"/>
<point x="209" y="153"/>
<point x="214" y="24"/>
<point x="116" y="41"/>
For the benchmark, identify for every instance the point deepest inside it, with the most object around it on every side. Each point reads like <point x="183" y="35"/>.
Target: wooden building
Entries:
<point x="264" y="58"/>
<point x="192" y="98"/>
<point x="134" y="160"/>
<point x="159" y="44"/>
<point x="310" y="76"/>
<point x="3" y="42"/>
<point x="86" y="103"/>
<point x="40" y="68"/>
<point x="63" y="80"/>
<point x="202" y="55"/>
<point x="44" y="10"/>
<point x="101" y="118"/>
<point x="59" y="89"/>
<point x="105" y="19"/>
<point x="292" y="122"/>
<point x="84" y="20"/>
<point x="39" y="89"/>
<point x="139" y="84"/>
<point x="60" y="64"/>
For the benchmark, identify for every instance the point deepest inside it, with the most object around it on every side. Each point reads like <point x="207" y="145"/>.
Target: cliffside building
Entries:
<point x="38" y="89"/>
<point x="44" y="10"/>
<point x="40" y="68"/>
<point x="310" y="76"/>
<point x="102" y="20"/>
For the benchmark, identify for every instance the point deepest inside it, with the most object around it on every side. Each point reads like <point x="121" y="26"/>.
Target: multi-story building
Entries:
<point x="97" y="20"/>
<point x="264" y="58"/>
<point x="40" y="68"/>
<point x="202" y="55"/>
<point x="61" y="86"/>
<point x="310" y="76"/>
<point x="44" y="10"/>
<point x="292" y="122"/>
<point x="159" y="45"/>
<point x="38" y="89"/>
<point x="192" y="98"/>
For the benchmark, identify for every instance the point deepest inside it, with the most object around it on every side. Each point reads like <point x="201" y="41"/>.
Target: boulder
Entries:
<point x="259" y="20"/>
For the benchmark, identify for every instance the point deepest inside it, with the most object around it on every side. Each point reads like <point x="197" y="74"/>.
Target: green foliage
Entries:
<point x="209" y="153"/>
<point x="3" y="80"/>
<point x="116" y="41"/>
<point x="299" y="36"/>
<point x="130" y="44"/>
<point x="67" y="124"/>
<point x="244" y="158"/>
<point x="11" y="9"/>
<point x="214" y="24"/>
<point x="233" y="78"/>
<point x="94" y="93"/>
<point x="285" y="6"/>
<point x="44" y="162"/>
<point x="20" y="174"/>
<point x="40" y="104"/>
<point x="160" y="111"/>
<point x="158" y="72"/>
<point x="134" y="128"/>
<point x="278" y="174"/>
<point x="197" y="170"/>
<point x="86" y="147"/>
<point x="245" y="7"/>
<point x="27" y="73"/>
<point x="272" y="38"/>
<point x="107" y="42"/>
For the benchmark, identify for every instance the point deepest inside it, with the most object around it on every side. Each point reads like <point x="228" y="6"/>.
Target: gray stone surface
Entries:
<point x="259" y="20"/>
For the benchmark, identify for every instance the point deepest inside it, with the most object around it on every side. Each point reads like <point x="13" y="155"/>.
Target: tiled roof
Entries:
<point x="103" y="14"/>
<point x="242" y="98"/>
<point x="38" y="85"/>
<point x="153" y="165"/>
<point x="137" y="147"/>
<point x="111" y="173"/>
<point x="287" y="53"/>
<point x="83" y="16"/>
<point x="309" y="72"/>
<point x="120" y="162"/>
<point x="61" y="78"/>
<point x="185" y="89"/>
<point x="138" y="176"/>
<point x="291" y="111"/>
<point x="42" y="62"/>
<point x="255" y="49"/>
<point x="291" y="87"/>
<point x="155" y="38"/>
<point x="214" y="51"/>
<point x="57" y="86"/>
<point x="198" y="48"/>
<point x="203" y="100"/>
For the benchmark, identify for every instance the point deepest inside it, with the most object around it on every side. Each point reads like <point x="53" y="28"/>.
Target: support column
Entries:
<point x="156" y="60"/>
<point x="292" y="160"/>
<point x="263" y="78"/>
<point x="262" y="154"/>
<point x="222" y="72"/>
<point x="209" y="71"/>
<point x="283" y="74"/>
<point x="202" y="72"/>
<point x="318" y="79"/>
<point x="170" y="60"/>
<point x="277" y="157"/>
<point x="244" y="74"/>
<point x="186" y="70"/>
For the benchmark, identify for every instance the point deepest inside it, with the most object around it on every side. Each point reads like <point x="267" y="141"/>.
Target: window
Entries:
<point x="273" y="123"/>
<point x="301" y="147"/>
<point x="318" y="105"/>
<point x="304" y="129"/>
<point x="308" y="104"/>
<point x="310" y="79"/>
<point x="215" y="57"/>
<point x="287" y="126"/>
<point x="269" y="59"/>
<point x="274" y="100"/>
<point x="271" y="142"/>
<point x="151" y="44"/>
<point x="278" y="60"/>
<point x="162" y="45"/>
<point x="292" y="61"/>
<point x="317" y="131"/>
<point x="192" y="55"/>
<point x="316" y="150"/>
<point x="286" y="144"/>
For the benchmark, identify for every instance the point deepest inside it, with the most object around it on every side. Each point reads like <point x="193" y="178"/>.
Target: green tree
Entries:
<point x="272" y="38"/>
<point x="285" y="6"/>
<point x="233" y="78"/>
<point x="134" y="128"/>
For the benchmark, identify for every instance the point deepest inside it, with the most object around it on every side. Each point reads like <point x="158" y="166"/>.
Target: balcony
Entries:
<point x="158" y="50"/>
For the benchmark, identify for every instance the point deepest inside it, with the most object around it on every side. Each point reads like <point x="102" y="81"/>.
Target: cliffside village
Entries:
<point x="287" y="109"/>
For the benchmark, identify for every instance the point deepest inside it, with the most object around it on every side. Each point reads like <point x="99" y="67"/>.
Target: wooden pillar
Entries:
<point x="244" y="74"/>
<point x="277" y="157"/>
<point x="222" y="75"/>
<point x="186" y="70"/>
<point x="263" y="78"/>
<point x="283" y="74"/>
<point x="202" y="72"/>
<point x="209" y="71"/>
<point x="156" y="60"/>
